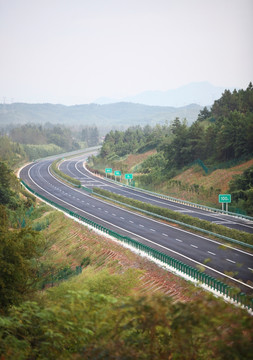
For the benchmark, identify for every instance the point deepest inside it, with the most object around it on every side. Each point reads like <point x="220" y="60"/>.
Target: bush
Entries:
<point x="170" y="214"/>
<point x="71" y="180"/>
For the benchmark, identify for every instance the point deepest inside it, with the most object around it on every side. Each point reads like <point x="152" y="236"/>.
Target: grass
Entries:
<point x="70" y="244"/>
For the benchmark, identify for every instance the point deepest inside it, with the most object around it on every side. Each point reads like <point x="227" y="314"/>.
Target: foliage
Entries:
<point x="90" y="325"/>
<point x="34" y="152"/>
<point x="219" y="137"/>
<point x="223" y="133"/>
<point x="90" y="135"/>
<point x="63" y="175"/>
<point x="10" y="152"/>
<point x="17" y="271"/>
<point x="37" y="135"/>
<point x="241" y="189"/>
<point x="186" y="219"/>
<point x="132" y="140"/>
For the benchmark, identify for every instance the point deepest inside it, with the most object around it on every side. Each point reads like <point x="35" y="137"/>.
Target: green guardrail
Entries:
<point x="192" y="227"/>
<point x="180" y="201"/>
<point x="223" y="289"/>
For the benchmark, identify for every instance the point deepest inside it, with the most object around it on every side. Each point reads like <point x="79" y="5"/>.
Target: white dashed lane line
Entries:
<point x="209" y="252"/>
<point x="231" y="261"/>
<point x="178" y="240"/>
<point x="122" y="218"/>
<point x="152" y="230"/>
<point x="196" y="247"/>
<point x="165" y="235"/>
<point x="131" y="221"/>
<point x="141" y="225"/>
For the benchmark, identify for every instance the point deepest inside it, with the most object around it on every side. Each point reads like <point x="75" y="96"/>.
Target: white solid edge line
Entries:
<point x="209" y="213"/>
<point x="150" y="241"/>
<point x="188" y="232"/>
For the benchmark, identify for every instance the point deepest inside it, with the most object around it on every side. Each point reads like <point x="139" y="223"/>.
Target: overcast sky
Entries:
<point x="74" y="51"/>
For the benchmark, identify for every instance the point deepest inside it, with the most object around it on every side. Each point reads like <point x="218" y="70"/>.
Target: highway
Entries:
<point x="75" y="168"/>
<point x="190" y="248"/>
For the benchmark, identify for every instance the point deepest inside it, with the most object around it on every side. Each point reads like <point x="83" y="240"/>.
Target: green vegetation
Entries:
<point x="19" y="245"/>
<point x="100" y="311"/>
<point x="241" y="189"/>
<point x="220" y="138"/>
<point x="64" y="176"/>
<point x="92" y="325"/>
<point x="30" y="142"/>
<point x="186" y="219"/>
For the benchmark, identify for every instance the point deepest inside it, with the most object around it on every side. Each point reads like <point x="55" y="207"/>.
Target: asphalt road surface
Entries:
<point x="183" y="245"/>
<point x="75" y="168"/>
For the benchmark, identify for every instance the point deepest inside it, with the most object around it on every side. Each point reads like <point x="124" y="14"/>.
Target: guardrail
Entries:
<point x="223" y="237"/>
<point x="194" y="274"/>
<point x="180" y="201"/>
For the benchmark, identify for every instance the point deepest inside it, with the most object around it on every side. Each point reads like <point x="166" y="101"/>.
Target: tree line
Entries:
<point x="220" y="137"/>
<point x="220" y="134"/>
<point x="33" y="141"/>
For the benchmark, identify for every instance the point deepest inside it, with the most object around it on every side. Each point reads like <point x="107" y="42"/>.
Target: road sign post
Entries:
<point x="117" y="173"/>
<point x="108" y="171"/>
<point x="224" y="199"/>
<point x="129" y="177"/>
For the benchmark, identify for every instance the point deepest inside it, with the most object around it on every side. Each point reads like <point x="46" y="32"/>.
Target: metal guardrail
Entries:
<point x="223" y="237"/>
<point x="179" y="201"/>
<point x="178" y="222"/>
<point x="223" y="289"/>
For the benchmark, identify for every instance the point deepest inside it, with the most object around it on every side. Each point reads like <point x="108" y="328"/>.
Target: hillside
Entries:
<point x="220" y="138"/>
<point x="119" y="115"/>
<point x="71" y="293"/>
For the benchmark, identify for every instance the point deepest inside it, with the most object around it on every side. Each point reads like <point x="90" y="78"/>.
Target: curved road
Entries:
<point x="75" y="168"/>
<point x="190" y="248"/>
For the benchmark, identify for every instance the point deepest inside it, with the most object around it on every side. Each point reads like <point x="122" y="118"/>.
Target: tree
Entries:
<point x="17" y="271"/>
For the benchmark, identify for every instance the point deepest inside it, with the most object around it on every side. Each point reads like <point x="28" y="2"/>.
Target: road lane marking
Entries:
<point x="231" y="261"/>
<point x="210" y="252"/>
<point x="122" y="218"/>
<point x="179" y="240"/>
<point x="194" y="246"/>
<point x="141" y="225"/>
<point x="131" y="221"/>
<point x="152" y="229"/>
<point x="165" y="235"/>
<point x="250" y="269"/>
<point x="150" y="241"/>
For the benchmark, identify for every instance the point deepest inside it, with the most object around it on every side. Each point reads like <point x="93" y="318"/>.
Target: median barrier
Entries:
<point x="179" y="201"/>
<point x="192" y="227"/>
<point x="193" y="274"/>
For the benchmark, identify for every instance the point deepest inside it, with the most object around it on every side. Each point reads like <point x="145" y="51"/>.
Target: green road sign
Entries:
<point x="128" y="176"/>
<point x="108" y="170"/>
<point x="117" y="173"/>
<point x="224" y="198"/>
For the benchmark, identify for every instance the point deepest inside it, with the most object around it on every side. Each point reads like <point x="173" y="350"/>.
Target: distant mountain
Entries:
<point x="201" y="93"/>
<point x="118" y="115"/>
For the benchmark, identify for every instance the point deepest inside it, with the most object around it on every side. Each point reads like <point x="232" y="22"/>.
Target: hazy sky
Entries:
<point x="74" y="51"/>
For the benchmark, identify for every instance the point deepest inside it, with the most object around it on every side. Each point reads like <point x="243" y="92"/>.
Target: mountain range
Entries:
<point x="201" y="93"/>
<point x="119" y="115"/>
